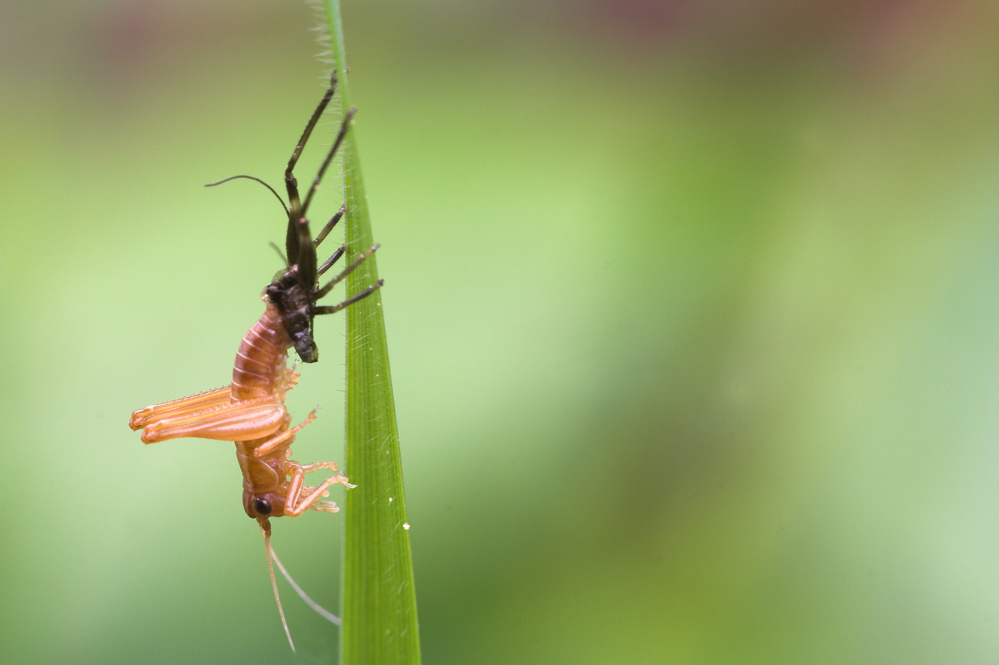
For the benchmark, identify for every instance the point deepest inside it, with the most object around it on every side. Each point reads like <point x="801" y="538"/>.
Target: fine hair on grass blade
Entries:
<point x="379" y="596"/>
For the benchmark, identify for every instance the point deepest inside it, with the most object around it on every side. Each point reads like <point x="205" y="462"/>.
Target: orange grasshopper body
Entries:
<point x="251" y="411"/>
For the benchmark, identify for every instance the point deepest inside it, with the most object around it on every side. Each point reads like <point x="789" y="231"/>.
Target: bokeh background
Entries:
<point x="692" y="310"/>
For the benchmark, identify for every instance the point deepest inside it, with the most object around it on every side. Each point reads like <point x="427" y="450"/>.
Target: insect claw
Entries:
<point x="326" y="506"/>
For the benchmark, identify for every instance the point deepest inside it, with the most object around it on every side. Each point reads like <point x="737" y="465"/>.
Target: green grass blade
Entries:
<point x="379" y="597"/>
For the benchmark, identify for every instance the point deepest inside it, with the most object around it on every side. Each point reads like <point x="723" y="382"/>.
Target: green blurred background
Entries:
<point x="692" y="310"/>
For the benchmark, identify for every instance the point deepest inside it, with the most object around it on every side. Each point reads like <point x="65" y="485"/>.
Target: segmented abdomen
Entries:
<point x="259" y="372"/>
<point x="260" y="361"/>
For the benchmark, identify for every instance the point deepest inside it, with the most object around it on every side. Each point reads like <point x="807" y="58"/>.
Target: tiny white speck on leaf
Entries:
<point x="405" y="525"/>
<point x="390" y="499"/>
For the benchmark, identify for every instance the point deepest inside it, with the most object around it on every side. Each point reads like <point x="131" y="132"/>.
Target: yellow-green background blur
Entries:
<point x="692" y="309"/>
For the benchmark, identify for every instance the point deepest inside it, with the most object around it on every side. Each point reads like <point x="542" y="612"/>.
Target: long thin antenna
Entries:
<point x="255" y="179"/>
<point x="265" y="528"/>
<point x="322" y="611"/>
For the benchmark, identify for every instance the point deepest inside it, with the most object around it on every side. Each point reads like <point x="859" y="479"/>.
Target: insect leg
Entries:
<point x="295" y="487"/>
<point x="346" y="271"/>
<point x="289" y="178"/>
<point x="283" y="437"/>
<point x="331" y="260"/>
<point x="315" y="466"/>
<point x="238" y="421"/>
<point x="329" y="226"/>
<point x="290" y="379"/>
<point x="344" y="126"/>
<point x="305" y="257"/>
<point x="327" y="309"/>
<point x="322" y="236"/>
<point x="180" y="407"/>
<point x="324" y="506"/>
<point x="296" y="216"/>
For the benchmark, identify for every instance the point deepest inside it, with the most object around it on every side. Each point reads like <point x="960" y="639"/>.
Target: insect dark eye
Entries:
<point x="262" y="506"/>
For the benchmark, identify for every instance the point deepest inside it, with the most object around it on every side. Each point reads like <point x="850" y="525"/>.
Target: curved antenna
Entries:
<point x="265" y="528"/>
<point x="320" y="610"/>
<point x="250" y="177"/>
